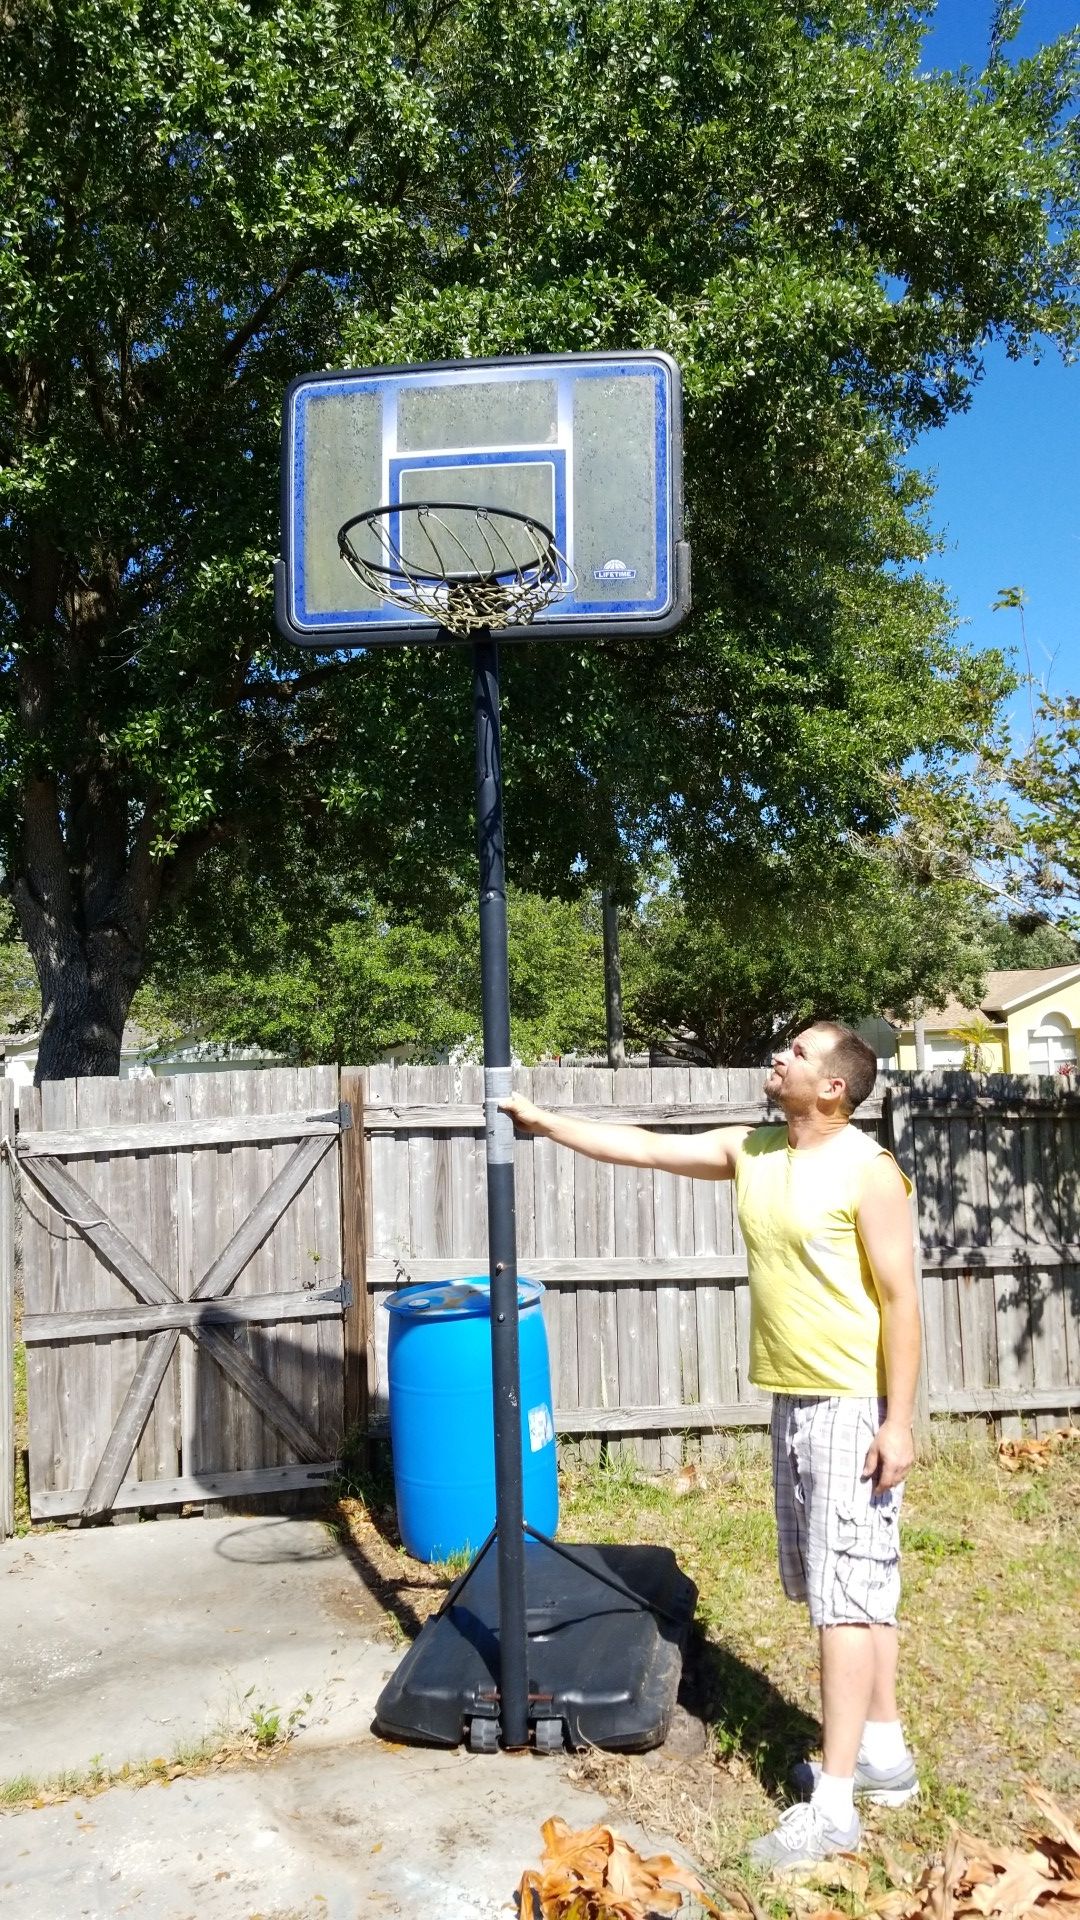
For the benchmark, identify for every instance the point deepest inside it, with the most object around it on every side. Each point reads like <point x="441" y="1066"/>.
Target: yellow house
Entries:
<point x="1034" y="1013"/>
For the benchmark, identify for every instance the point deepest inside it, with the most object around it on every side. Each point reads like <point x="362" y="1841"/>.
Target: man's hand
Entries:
<point x="524" y="1114"/>
<point x="891" y="1456"/>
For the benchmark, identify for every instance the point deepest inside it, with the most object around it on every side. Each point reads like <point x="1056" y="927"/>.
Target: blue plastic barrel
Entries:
<point x="441" y="1422"/>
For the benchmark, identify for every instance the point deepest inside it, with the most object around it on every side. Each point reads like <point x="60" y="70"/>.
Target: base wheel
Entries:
<point x="483" y="1735"/>
<point x="549" y="1737"/>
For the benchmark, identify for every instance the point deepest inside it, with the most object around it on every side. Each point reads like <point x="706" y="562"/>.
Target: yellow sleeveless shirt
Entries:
<point x="815" y="1319"/>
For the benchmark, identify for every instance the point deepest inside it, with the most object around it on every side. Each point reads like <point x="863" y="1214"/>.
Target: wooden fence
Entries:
<point x="184" y="1292"/>
<point x="647" y="1306"/>
<point x="996" y="1164"/>
<point x="205" y="1262"/>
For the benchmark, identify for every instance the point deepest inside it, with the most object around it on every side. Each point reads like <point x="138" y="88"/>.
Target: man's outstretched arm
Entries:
<point x="704" y="1156"/>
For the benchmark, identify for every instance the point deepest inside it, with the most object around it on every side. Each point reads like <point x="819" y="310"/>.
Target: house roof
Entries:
<point x="1006" y="988"/>
<point x="136" y="1039"/>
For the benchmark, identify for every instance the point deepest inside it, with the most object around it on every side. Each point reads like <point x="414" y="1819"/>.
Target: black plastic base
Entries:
<point x="602" y="1667"/>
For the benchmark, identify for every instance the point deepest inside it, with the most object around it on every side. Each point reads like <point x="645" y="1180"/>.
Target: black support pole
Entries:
<point x="502" y="1244"/>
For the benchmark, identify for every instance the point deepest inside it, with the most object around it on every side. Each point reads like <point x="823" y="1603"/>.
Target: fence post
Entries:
<point x="902" y="1135"/>
<point x="7" y="1312"/>
<point x="354" y="1251"/>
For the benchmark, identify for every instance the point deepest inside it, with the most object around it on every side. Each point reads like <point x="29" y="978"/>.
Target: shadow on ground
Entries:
<point x="726" y="1709"/>
<point x="363" y="1520"/>
<point x="743" y="1713"/>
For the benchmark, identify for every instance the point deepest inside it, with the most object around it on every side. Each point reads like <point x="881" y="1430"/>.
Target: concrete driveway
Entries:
<point x="123" y="1643"/>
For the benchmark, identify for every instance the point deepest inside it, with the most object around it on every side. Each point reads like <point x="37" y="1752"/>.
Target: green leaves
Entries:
<point x="364" y="981"/>
<point x="202" y="199"/>
<point x="1046" y="777"/>
<point x="841" y="937"/>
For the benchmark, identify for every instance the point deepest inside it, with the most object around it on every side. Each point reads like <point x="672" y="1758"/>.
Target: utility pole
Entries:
<point x="616" y="1046"/>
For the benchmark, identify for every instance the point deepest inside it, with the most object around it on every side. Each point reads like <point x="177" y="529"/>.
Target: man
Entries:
<point x="834" y="1334"/>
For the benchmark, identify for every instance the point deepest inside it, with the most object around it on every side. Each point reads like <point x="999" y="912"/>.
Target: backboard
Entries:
<point x="588" y="446"/>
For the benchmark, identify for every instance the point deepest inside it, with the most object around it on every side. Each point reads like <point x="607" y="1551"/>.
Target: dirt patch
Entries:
<point x="356" y="1606"/>
<point x="403" y="1591"/>
<point x="694" y="1802"/>
<point x="683" y="1790"/>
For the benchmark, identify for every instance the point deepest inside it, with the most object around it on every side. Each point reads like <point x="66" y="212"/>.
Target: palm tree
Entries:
<point x="976" y="1034"/>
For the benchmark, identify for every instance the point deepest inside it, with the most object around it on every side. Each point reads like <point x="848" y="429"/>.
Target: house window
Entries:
<point x="1051" y="1044"/>
<point x="943" y="1051"/>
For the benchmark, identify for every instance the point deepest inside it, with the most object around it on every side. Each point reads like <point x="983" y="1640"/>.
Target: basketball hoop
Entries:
<point x="475" y="567"/>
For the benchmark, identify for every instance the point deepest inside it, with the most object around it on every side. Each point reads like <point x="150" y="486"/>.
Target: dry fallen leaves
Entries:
<point x="975" y="1880"/>
<point x="844" y="1871"/>
<point x="1035" y="1453"/>
<point x="594" y="1874"/>
<point x="690" y="1479"/>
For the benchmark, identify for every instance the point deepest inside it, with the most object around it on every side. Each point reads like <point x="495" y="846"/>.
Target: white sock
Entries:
<point x="835" y="1799"/>
<point x="882" y="1744"/>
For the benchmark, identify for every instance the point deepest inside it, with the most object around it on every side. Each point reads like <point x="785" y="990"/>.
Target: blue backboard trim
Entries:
<point x="664" y="609"/>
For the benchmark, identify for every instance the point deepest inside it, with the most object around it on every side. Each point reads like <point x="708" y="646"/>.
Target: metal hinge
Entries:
<point x="342" y="1294"/>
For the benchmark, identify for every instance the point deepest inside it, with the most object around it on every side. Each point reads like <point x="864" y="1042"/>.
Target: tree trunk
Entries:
<point x="83" y="897"/>
<point x="920" y="1042"/>
<point x="616" y="1045"/>
<point x="84" y="1006"/>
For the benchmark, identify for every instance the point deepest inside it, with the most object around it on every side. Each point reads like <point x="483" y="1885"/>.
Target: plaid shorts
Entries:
<point x="838" y="1540"/>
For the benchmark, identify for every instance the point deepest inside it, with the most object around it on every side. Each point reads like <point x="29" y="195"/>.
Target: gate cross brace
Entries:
<point x="113" y="1247"/>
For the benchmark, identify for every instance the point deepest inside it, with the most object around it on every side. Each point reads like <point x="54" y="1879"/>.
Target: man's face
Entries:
<point x="798" y="1074"/>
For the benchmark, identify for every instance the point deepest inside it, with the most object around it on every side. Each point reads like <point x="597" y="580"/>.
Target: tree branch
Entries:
<point x="236" y="343"/>
<point x="235" y="681"/>
<point x="176" y="875"/>
<point x="97" y="396"/>
<point x="288" y="690"/>
<point x="142" y="886"/>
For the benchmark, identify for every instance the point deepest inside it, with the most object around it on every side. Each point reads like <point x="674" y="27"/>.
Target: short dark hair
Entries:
<point x="851" y="1060"/>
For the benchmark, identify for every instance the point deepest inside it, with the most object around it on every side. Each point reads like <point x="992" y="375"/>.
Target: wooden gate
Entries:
<point x="185" y="1299"/>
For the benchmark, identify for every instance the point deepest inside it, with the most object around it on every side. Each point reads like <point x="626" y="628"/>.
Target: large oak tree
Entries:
<point x="201" y="199"/>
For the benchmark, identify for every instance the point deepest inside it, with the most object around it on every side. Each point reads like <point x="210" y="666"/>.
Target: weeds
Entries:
<point x="365" y="1474"/>
<point x="22" y="1478"/>
<point x="268" y="1726"/>
<point x="990" y="1674"/>
<point x="266" y="1730"/>
<point x="190" y="1757"/>
<point x="454" y="1564"/>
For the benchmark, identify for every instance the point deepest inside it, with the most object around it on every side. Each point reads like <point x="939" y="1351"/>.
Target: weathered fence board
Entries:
<point x="355" y="1230"/>
<point x="198" y="1328"/>
<point x="184" y="1295"/>
<point x="995" y="1168"/>
<point x="97" y="1322"/>
<point x="647" y="1305"/>
<point x="594" y="1241"/>
<point x="195" y="1490"/>
<point x="230" y="1131"/>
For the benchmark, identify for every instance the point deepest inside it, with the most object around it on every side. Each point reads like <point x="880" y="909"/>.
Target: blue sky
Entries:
<point x="1008" y="471"/>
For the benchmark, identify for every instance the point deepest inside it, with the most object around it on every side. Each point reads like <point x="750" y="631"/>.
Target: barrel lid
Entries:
<point x="447" y="1299"/>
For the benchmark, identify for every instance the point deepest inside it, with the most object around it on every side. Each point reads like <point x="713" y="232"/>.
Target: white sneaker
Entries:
<point x="802" y="1836"/>
<point x="882" y="1786"/>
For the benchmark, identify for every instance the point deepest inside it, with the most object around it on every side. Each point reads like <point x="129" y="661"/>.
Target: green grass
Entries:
<point x="990" y="1662"/>
<point x="29" y="1790"/>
